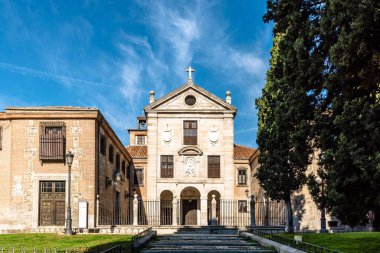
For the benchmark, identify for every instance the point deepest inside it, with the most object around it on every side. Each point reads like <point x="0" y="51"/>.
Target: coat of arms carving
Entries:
<point x="213" y="135"/>
<point x="167" y="135"/>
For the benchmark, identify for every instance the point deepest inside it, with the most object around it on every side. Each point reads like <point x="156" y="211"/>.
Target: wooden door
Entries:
<point x="52" y="203"/>
<point x="189" y="212"/>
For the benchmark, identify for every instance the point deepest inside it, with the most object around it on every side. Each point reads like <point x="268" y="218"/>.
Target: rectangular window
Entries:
<point x="52" y="141"/>
<point x="242" y="205"/>
<point x="140" y="140"/>
<point x="139" y="176"/>
<point x="242" y="177"/>
<point x="190" y="132"/>
<point x="167" y="166"/>
<point x="103" y="144"/>
<point x="117" y="164"/>
<point x="214" y="166"/>
<point x="123" y="168"/>
<point x="60" y="186"/>
<point x="1" y="138"/>
<point x="110" y="153"/>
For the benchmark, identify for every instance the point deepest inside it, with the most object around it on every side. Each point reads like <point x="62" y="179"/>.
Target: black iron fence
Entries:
<point x="270" y="213"/>
<point x="161" y="213"/>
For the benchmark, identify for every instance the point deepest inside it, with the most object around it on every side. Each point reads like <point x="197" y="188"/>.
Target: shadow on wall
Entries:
<point x="298" y="210"/>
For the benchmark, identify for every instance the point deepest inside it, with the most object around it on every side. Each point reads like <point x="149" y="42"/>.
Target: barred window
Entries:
<point x="190" y="132"/>
<point x="52" y="141"/>
<point x="110" y="153"/>
<point x="103" y="144"/>
<point x="139" y="176"/>
<point x="214" y="166"/>
<point x="242" y="205"/>
<point x="167" y="166"/>
<point x="242" y="177"/>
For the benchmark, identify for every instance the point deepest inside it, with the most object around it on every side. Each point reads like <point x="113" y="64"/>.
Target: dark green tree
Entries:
<point x="348" y="110"/>
<point x="286" y="108"/>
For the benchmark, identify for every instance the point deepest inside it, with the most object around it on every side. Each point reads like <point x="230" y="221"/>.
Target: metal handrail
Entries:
<point x="137" y="237"/>
<point x="308" y="247"/>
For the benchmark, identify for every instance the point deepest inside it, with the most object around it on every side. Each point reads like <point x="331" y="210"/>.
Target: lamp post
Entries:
<point x="69" y="161"/>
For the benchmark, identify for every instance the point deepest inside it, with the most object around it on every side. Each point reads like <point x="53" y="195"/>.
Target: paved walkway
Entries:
<point x="199" y="241"/>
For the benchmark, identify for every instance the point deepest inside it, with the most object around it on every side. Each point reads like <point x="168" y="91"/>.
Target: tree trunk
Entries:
<point x="376" y="221"/>
<point x="289" y="213"/>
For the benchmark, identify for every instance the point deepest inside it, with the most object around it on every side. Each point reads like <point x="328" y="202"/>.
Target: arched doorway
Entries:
<point x="190" y="203"/>
<point x="166" y="211"/>
<point x="209" y="199"/>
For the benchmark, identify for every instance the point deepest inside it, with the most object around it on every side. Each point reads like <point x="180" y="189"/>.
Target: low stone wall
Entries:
<point x="268" y="243"/>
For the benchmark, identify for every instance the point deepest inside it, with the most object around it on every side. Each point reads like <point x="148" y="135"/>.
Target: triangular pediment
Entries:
<point x="176" y="100"/>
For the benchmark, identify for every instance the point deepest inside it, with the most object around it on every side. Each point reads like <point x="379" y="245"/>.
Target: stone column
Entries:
<point x="253" y="214"/>
<point x="135" y="210"/>
<point x="175" y="207"/>
<point x="203" y="220"/>
<point x="213" y="211"/>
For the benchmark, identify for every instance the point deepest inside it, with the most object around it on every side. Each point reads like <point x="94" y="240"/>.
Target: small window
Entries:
<point x="128" y="171"/>
<point x="103" y="144"/>
<point x="140" y="140"/>
<point x="190" y="132"/>
<point x="52" y="141"/>
<point x="167" y="166"/>
<point x="46" y="187"/>
<point x="139" y="176"/>
<point x="1" y="138"/>
<point x="123" y="169"/>
<point x="110" y="154"/>
<point x="214" y="166"/>
<point x="242" y="204"/>
<point x="60" y="186"/>
<point x="242" y="177"/>
<point x="117" y="164"/>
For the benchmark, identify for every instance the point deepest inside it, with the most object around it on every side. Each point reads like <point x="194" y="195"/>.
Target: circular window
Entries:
<point x="190" y="100"/>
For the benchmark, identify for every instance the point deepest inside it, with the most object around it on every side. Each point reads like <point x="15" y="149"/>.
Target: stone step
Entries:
<point x="200" y="249"/>
<point x="199" y="236"/>
<point x="204" y="243"/>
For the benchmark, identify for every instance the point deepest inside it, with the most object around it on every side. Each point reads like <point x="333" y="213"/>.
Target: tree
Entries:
<point x="348" y="112"/>
<point x="285" y="109"/>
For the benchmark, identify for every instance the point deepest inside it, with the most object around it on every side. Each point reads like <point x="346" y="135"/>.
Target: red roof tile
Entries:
<point x="243" y="152"/>
<point x="138" y="151"/>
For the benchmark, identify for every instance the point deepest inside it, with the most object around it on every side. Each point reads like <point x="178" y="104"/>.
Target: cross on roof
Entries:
<point x="190" y="70"/>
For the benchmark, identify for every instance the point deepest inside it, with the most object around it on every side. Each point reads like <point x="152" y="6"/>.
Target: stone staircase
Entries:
<point x="203" y="240"/>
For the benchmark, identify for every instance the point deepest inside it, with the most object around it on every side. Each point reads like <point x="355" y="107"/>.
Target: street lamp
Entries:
<point x="69" y="161"/>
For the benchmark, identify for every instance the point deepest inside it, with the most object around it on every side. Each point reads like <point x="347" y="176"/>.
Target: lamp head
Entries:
<point x="69" y="158"/>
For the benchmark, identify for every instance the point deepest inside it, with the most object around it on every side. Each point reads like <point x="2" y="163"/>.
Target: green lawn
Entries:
<point x="367" y="242"/>
<point x="61" y="242"/>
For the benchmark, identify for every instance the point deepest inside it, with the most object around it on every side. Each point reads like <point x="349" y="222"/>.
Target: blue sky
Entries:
<point x="110" y="54"/>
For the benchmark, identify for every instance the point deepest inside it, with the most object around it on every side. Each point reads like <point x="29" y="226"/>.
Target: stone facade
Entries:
<point x="23" y="170"/>
<point x="189" y="127"/>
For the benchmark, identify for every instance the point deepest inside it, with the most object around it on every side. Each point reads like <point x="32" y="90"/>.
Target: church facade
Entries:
<point x="183" y="151"/>
<point x="181" y="167"/>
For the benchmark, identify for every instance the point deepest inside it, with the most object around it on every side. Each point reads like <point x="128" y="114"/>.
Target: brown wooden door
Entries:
<point x="189" y="212"/>
<point x="52" y="203"/>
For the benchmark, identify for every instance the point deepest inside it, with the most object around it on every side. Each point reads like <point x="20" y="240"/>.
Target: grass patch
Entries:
<point x="354" y="242"/>
<point x="61" y="242"/>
